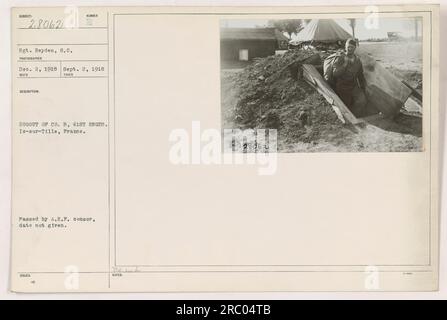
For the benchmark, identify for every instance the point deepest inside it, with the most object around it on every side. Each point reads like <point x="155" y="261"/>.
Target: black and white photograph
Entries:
<point x="325" y="85"/>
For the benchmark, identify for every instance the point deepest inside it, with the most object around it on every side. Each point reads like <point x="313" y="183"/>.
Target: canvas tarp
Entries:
<point x="323" y="30"/>
<point x="385" y="92"/>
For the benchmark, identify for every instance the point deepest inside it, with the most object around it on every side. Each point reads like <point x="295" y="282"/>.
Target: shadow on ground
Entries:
<point x="402" y="123"/>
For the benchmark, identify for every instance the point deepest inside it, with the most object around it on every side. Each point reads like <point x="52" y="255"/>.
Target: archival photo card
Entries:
<point x="225" y="149"/>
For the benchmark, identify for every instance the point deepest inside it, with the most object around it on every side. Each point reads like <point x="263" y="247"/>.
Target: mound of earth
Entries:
<point x="269" y="97"/>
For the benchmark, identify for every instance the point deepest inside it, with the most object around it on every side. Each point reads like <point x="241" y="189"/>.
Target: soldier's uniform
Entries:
<point x="350" y="83"/>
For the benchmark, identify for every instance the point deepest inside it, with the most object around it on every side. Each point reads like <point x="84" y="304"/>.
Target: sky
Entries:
<point x="363" y="30"/>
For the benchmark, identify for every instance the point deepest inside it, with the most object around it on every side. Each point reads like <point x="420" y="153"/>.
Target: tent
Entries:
<point x="321" y="30"/>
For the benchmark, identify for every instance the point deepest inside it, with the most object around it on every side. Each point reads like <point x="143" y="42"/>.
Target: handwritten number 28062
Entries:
<point x="45" y="24"/>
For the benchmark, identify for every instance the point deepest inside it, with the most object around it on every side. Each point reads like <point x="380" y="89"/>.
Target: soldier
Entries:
<point x="349" y="81"/>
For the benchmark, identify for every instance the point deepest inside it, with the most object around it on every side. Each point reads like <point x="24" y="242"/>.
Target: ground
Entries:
<point x="305" y="121"/>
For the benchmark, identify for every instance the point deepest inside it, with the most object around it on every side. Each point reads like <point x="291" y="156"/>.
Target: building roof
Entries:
<point x="251" y="34"/>
<point x="325" y="30"/>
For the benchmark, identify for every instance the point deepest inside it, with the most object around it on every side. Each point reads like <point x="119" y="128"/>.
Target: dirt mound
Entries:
<point x="270" y="96"/>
